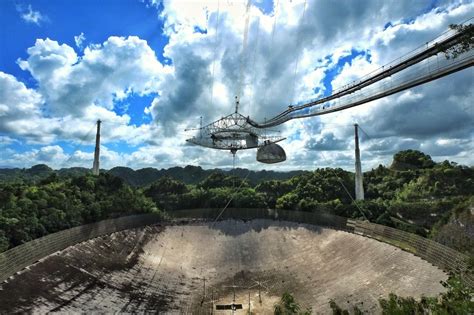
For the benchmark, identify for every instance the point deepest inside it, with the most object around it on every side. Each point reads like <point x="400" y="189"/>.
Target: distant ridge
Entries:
<point x="145" y="176"/>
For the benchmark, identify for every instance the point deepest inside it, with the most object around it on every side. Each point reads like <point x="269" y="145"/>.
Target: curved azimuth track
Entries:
<point x="191" y="268"/>
<point x="422" y="65"/>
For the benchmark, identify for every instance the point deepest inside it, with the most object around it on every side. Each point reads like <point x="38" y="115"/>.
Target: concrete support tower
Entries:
<point x="95" y="167"/>
<point x="359" y="182"/>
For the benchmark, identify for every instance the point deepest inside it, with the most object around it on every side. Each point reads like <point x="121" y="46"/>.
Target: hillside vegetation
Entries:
<point x="29" y="210"/>
<point x="414" y="194"/>
<point x="142" y="177"/>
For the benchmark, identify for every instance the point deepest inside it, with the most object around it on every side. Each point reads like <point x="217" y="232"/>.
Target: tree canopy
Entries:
<point x="414" y="194"/>
<point x="32" y="210"/>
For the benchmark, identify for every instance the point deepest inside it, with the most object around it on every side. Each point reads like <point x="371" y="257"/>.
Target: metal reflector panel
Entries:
<point x="271" y="153"/>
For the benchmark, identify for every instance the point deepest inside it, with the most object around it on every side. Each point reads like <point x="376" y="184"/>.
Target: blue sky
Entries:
<point x="63" y="20"/>
<point x="151" y="68"/>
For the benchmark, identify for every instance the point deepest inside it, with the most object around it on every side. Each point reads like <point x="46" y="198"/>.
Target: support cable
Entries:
<point x="359" y="99"/>
<point x="244" y="48"/>
<point x="233" y="169"/>
<point x="340" y="182"/>
<point x="254" y="68"/>
<point x="216" y="43"/>
<point x="230" y="199"/>
<point x="81" y="142"/>
<point x="363" y="131"/>
<point x="297" y="54"/>
<point x="239" y="91"/>
<point x="446" y="39"/>
<point x="265" y="94"/>
<point x="346" y="190"/>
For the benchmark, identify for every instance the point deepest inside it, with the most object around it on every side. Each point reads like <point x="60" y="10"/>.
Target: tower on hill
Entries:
<point x="359" y="184"/>
<point x="95" y="167"/>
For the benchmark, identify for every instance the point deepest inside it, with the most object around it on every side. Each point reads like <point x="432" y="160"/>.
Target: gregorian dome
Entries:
<point x="271" y="153"/>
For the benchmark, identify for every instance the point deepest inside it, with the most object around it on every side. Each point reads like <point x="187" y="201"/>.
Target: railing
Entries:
<point x="17" y="258"/>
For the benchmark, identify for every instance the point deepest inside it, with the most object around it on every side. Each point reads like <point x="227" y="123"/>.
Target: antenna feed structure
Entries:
<point x="234" y="132"/>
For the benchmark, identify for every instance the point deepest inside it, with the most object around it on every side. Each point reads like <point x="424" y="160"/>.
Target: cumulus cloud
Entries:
<point x="27" y="101"/>
<point x="74" y="91"/>
<point x="104" y="73"/>
<point x="52" y="155"/>
<point x="20" y="111"/>
<point x="287" y="59"/>
<point x="271" y="77"/>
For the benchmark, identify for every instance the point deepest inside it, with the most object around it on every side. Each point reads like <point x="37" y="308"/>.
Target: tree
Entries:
<point x="287" y="201"/>
<point x="219" y="179"/>
<point x="337" y="310"/>
<point x="167" y="193"/>
<point x="272" y="190"/>
<point x="289" y="306"/>
<point x="30" y="210"/>
<point x="458" y="299"/>
<point x="465" y="43"/>
<point x="166" y="185"/>
<point x="4" y="243"/>
<point x="411" y="159"/>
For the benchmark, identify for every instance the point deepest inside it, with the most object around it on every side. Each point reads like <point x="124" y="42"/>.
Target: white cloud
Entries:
<point x="27" y="101"/>
<point x="6" y="140"/>
<point x="107" y="72"/>
<point x="20" y="111"/>
<point x="51" y="155"/>
<point x="29" y="15"/>
<point x="202" y="80"/>
<point x="21" y="115"/>
<point x="79" y="40"/>
<point x="74" y="91"/>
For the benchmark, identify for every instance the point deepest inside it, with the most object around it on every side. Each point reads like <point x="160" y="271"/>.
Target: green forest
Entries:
<point x="414" y="194"/>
